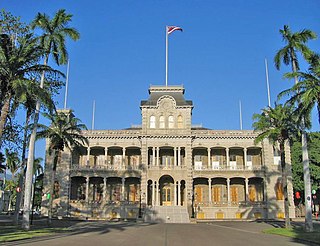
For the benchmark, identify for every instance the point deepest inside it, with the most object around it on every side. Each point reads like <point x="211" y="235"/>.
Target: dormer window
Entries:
<point x="152" y="121"/>
<point x="171" y="121"/>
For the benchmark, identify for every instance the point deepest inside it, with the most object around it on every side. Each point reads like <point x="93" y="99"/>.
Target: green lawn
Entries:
<point x="12" y="233"/>
<point x="298" y="233"/>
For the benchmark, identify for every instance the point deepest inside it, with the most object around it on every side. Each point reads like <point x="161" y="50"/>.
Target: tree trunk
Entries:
<point x="56" y="160"/>
<point x="21" y="178"/>
<point x="307" y="183"/>
<point x="29" y="173"/>
<point x="306" y="169"/>
<point x="4" y="114"/>
<point x="285" y="184"/>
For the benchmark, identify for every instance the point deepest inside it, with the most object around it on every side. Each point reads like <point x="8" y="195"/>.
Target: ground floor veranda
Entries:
<point x="210" y="198"/>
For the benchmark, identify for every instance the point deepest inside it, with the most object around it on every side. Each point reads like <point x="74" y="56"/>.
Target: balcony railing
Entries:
<point x="77" y="167"/>
<point x="150" y="167"/>
<point x="231" y="167"/>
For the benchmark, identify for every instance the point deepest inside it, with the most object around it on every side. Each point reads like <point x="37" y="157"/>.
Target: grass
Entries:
<point x="297" y="233"/>
<point x="12" y="233"/>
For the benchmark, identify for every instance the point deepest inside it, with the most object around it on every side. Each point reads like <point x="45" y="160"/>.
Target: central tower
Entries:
<point x="166" y="111"/>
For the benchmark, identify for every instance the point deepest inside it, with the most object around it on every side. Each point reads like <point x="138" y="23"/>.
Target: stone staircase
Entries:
<point x="167" y="214"/>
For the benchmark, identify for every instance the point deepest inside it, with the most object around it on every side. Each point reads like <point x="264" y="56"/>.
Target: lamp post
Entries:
<point x="140" y="212"/>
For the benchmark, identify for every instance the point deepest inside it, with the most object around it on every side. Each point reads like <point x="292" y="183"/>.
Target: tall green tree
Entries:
<point x="64" y="132"/>
<point x="278" y="125"/>
<point x="53" y="41"/>
<point x="296" y="42"/>
<point x="297" y="169"/>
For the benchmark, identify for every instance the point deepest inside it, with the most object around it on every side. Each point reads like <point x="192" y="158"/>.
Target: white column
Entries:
<point x="175" y="194"/>
<point x="123" y="157"/>
<point x="104" y="189"/>
<point x="179" y="193"/>
<point x="122" y="189"/>
<point x="247" y="189"/>
<point x="106" y="156"/>
<point x="88" y="156"/>
<point x="87" y="189"/>
<point x="153" y="192"/>
<point x="227" y="156"/>
<point x="210" y="196"/>
<point x="153" y="156"/>
<point x="245" y="157"/>
<point x="158" y="157"/>
<point x="209" y="158"/>
<point x="228" y="190"/>
<point x="179" y="156"/>
<point x="175" y="156"/>
<point x="157" y="193"/>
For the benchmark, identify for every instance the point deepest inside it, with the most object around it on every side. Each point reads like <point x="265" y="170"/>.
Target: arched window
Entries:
<point x="171" y="121"/>
<point x="180" y="121"/>
<point x="152" y="121"/>
<point x="161" y="122"/>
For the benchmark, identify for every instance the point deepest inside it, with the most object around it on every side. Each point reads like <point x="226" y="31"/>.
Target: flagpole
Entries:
<point x="66" y="92"/>
<point x="93" y="112"/>
<point x="240" y="115"/>
<point x="268" y="85"/>
<point x="166" y="56"/>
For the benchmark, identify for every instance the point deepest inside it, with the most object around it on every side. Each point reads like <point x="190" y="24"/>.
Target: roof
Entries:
<point x="156" y="92"/>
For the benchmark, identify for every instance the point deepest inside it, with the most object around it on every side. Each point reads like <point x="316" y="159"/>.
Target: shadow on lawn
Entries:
<point x="298" y="233"/>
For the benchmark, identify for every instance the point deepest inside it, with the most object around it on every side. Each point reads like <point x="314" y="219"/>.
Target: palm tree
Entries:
<point x="13" y="165"/>
<point x="278" y="125"/>
<point x="307" y="91"/>
<point x="53" y="41"/>
<point x="64" y="132"/>
<point x="12" y="161"/>
<point x="18" y="66"/>
<point x="296" y="42"/>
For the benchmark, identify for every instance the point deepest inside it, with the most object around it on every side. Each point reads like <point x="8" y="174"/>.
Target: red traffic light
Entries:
<point x="298" y="195"/>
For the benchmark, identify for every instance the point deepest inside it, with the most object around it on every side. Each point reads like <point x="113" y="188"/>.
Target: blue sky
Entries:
<point x="219" y="56"/>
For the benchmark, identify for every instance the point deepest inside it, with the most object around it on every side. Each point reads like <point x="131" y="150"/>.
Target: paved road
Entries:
<point x="140" y="234"/>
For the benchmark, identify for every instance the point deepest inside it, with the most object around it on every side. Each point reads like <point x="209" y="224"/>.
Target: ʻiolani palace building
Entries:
<point x="168" y="170"/>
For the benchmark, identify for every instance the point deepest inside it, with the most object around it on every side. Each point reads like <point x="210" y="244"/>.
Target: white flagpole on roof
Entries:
<point x="166" y="55"/>
<point x="240" y="108"/>
<point x="67" y="82"/>
<point x="268" y="85"/>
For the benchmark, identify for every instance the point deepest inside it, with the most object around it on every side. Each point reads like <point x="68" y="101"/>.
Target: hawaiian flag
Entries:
<point x="171" y="29"/>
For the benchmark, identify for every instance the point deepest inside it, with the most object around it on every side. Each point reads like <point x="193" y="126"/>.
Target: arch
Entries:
<point x="166" y="98"/>
<point x="255" y="189"/>
<point x="167" y="188"/>
<point x="78" y="188"/>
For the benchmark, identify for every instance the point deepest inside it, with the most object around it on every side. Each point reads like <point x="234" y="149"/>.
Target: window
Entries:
<point x="279" y="191"/>
<point x="152" y="121"/>
<point x="171" y="121"/>
<point x="161" y="122"/>
<point x="180" y="121"/>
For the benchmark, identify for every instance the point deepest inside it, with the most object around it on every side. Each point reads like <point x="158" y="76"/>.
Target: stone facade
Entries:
<point x="213" y="174"/>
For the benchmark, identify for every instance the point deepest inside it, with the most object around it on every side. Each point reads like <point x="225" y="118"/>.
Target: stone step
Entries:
<point x="167" y="214"/>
